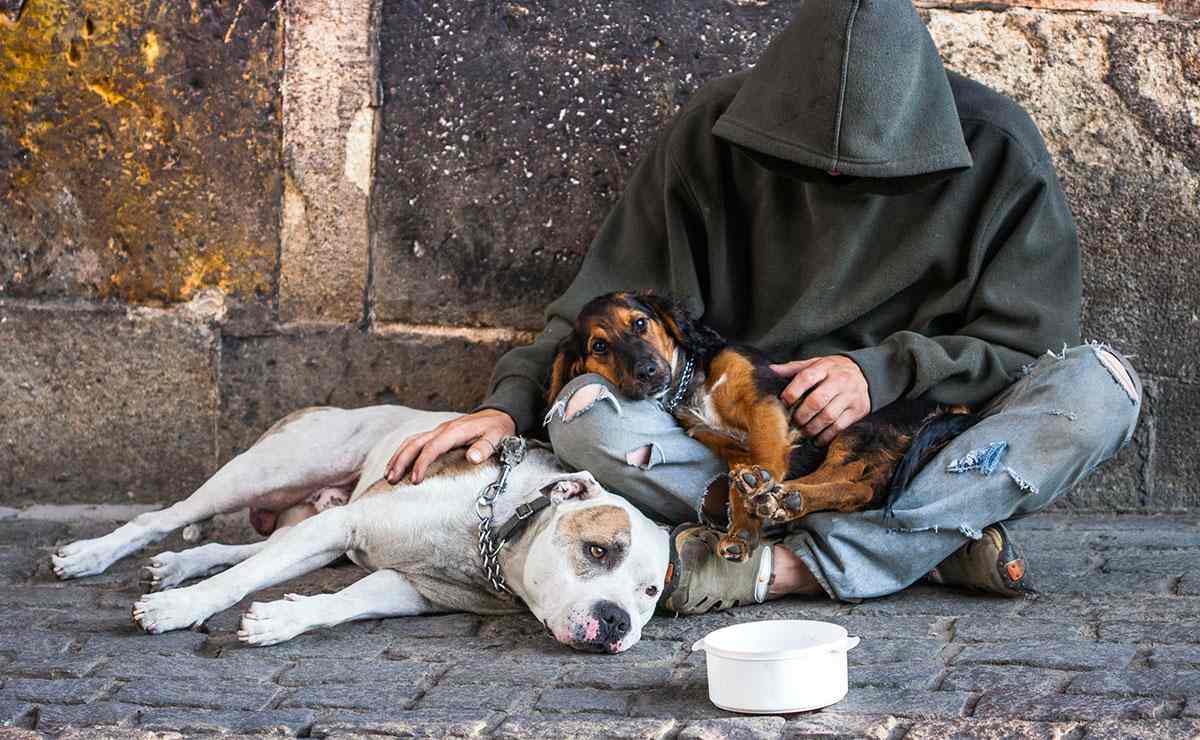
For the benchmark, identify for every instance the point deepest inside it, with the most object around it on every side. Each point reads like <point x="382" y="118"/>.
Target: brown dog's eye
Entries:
<point x="652" y="591"/>
<point x="597" y="552"/>
<point x="599" y="347"/>
<point x="641" y="325"/>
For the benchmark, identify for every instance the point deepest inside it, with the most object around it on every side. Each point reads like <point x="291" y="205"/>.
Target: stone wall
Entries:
<point x="211" y="214"/>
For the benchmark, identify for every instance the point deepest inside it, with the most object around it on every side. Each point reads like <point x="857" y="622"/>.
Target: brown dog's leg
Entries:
<point x="848" y="480"/>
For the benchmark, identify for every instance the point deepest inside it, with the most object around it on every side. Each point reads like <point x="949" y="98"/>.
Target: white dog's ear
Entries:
<point x="579" y="485"/>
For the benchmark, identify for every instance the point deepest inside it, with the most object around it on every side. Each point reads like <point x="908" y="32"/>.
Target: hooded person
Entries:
<point x="849" y="205"/>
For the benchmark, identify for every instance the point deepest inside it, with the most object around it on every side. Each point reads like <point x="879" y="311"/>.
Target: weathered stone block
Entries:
<point x="738" y="728"/>
<point x="1058" y="707"/>
<point x="205" y="722"/>
<point x="1012" y="677"/>
<point x="141" y="150"/>
<point x="103" y="405"/>
<point x="315" y="671"/>
<point x="432" y="724"/>
<point x="266" y="378"/>
<point x="904" y="703"/>
<point x="573" y="701"/>
<point x="1137" y="683"/>
<point x="229" y="694"/>
<point x="328" y="151"/>
<point x="506" y="135"/>
<point x="1068" y="656"/>
<point x="1176" y="467"/>
<point x="536" y="728"/>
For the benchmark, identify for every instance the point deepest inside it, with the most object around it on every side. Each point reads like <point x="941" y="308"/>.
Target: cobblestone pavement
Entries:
<point x="1112" y="649"/>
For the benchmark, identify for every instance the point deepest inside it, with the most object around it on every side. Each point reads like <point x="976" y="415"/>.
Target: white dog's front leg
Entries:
<point x="303" y="548"/>
<point x="384" y="593"/>
<point x="169" y="569"/>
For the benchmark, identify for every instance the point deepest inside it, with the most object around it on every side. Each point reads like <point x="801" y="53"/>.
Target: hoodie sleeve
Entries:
<point x="1026" y="301"/>
<point x="645" y="242"/>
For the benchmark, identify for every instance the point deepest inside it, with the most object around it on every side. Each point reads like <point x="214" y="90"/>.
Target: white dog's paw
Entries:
<point x="165" y="570"/>
<point x="273" y="622"/>
<point x="170" y="610"/>
<point x="84" y="558"/>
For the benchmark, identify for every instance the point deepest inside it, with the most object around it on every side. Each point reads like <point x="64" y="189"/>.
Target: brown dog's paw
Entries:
<point x="777" y="504"/>
<point x="737" y="545"/>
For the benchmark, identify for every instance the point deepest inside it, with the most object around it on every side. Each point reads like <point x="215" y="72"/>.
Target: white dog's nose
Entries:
<point x="614" y="623"/>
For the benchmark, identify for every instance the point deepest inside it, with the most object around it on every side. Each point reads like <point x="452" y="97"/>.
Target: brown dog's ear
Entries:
<point x="695" y="338"/>
<point x="567" y="365"/>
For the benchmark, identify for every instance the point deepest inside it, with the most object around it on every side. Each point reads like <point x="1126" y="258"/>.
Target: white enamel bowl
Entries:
<point x="776" y="667"/>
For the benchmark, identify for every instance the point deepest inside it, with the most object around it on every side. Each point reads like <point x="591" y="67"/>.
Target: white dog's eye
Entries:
<point x="652" y="591"/>
<point x="597" y="552"/>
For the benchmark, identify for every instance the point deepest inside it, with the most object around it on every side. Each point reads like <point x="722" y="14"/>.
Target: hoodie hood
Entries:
<point x="853" y="87"/>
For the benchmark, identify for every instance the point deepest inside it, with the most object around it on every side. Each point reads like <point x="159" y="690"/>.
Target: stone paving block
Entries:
<point x="352" y="696"/>
<point x="1189" y="586"/>
<point x="206" y="721"/>
<point x="14" y="712"/>
<point x="1109" y="729"/>
<point x="497" y="698"/>
<point x="1137" y="683"/>
<point x="138" y="374"/>
<point x="417" y="724"/>
<point x="1163" y="632"/>
<point x="1005" y="629"/>
<point x="1098" y="607"/>
<point x="1012" y="677"/>
<point x="54" y="718"/>
<point x="870" y="627"/>
<point x="1057" y="707"/>
<point x="1136" y="539"/>
<point x="56" y="691"/>
<point x="830" y="724"/>
<point x="1168" y="563"/>
<point x="537" y="728"/>
<point x="34" y="643"/>
<point x="572" y="701"/>
<point x="690" y="701"/>
<point x="904" y="703"/>
<point x="229" y="694"/>
<point x="442" y="625"/>
<point x="453" y="649"/>
<point x="247" y="667"/>
<point x="48" y="596"/>
<point x="523" y="673"/>
<point x="313" y="671"/>
<point x="1103" y="583"/>
<point x="924" y="599"/>
<point x="1069" y="656"/>
<point x="19" y="564"/>
<point x="58" y="666"/>
<point x="665" y="626"/>
<point x="895" y="651"/>
<point x="985" y="729"/>
<point x="631" y="677"/>
<point x="127" y="640"/>
<point x="740" y="728"/>
<point x="917" y="675"/>
<point x="1176" y="469"/>
<point x="1175" y="656"/>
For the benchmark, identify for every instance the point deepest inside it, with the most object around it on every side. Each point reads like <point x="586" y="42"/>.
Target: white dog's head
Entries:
<point x="595" y="566"/>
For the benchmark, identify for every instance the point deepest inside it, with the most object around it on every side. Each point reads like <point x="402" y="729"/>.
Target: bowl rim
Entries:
<point x="840" y="644"/>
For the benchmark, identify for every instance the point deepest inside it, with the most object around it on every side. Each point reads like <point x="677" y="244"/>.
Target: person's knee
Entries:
<point x="1113" y="390"/>
<point x="584" y="415"/>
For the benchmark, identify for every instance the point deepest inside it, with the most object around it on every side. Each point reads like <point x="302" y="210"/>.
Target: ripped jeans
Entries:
<point x="1070" y="412"/>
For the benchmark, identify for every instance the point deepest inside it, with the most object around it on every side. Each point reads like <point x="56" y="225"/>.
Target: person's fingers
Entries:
<point x="802" y="383"/>
<point x="788" y="369"/>
<point x="844" y="420"/>
<point x="826" y="416"/>
<point x="484" y="447"/>
<point x="450" y="437"/>
<point x="405" y="453"/>
<point x="815" y="402"/>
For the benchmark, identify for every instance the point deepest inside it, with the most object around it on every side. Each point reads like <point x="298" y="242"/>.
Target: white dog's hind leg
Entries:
<point x="305" y="547"/>
<point x="384" y="593"/>
<point x="317" y="448"/>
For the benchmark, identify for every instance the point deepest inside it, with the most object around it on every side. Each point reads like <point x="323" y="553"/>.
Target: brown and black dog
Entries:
<point x="728" y="398"/>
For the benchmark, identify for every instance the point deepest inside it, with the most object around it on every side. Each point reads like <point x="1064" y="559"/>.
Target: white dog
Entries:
<point x="587" y="564"/>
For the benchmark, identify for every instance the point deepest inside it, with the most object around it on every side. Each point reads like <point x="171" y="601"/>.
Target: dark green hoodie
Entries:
<point x="846" y="196"/>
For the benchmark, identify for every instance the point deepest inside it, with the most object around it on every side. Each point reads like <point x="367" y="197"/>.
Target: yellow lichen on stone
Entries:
<point x="150" y="50"/>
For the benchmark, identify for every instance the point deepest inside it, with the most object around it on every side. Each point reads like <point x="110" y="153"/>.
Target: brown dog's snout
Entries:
<point x="646" y="370"/>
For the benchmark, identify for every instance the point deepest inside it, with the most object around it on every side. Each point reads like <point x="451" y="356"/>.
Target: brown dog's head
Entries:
<point x="631" y="338"/>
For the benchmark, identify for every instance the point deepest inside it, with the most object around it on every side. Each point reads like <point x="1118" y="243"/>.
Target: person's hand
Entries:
<point x="837" y="395"/>
<point x="482" y="430"/>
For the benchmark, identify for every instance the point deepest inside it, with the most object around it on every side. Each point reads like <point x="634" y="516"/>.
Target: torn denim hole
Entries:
<point x="1027" y="368"/>
<point x="965" y="530"/>
<point x="1116" y="369"/>
<point x="1063" y="412"/>
<point x="1022" y="483"/>
<point x="580" y="402"/>
<point x="646" y="456"/>
<point x="708" y="511"/>
<point x="970" y="532"/>
<point x="984" y="459"/>
<point x="910" y="530"/>
<point x="1058" y="355"/>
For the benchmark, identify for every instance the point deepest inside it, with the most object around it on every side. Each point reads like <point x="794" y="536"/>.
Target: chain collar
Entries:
<point x="511" y="452"/>
<point x="685" y="380"/>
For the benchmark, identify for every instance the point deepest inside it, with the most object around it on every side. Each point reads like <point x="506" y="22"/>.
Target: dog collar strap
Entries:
<point x="511" y="452"/>
<point x="685" y="380"/>
<point x="520" y="518"/>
